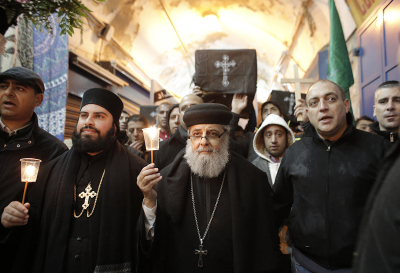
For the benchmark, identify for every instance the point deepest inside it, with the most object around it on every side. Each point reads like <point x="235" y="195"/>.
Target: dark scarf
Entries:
<point x="251" y="210"/>
<point x="116" y="212"/>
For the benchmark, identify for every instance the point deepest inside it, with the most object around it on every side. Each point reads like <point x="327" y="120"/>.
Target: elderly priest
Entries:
<point x="85" y="214"/>
<point x="212" y="209"/>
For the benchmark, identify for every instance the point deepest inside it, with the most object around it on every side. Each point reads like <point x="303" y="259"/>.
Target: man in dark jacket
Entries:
<point x="135" y="144"/>
<point x="21" y="90"/>
<point x="387" y="110"/>
<point x="378" y="247"/>
<point x="324" y="180"/>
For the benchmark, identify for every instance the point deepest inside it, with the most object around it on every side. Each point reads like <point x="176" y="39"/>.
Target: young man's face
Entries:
<point x="387" y="108"/>
<point x="363" y="125"/>
<point x="275" y="140"/>
<point x="17" y="101"/>
<point x="123" y="121"/>
<point x="327" y="110"/>
<point x="174" y="120"/>
<point x="269" y="109"/>
<point x="162" y="116"/>
<point x="94" y="121"/>
<point x="135" y="131"/>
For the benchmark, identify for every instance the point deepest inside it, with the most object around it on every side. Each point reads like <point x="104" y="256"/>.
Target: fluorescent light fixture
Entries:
<point x="96" y="70"/>
<point x="128" y="73"/>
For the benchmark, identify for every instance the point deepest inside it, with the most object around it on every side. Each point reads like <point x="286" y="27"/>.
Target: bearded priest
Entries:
<point x="85" y="207"/>
<point x="210" y="210"/>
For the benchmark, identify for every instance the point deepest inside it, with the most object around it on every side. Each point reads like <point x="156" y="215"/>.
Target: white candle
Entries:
<point x="29" y="169"/>
<point x="152" y="138"/>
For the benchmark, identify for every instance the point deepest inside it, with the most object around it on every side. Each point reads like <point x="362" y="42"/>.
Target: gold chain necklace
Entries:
<point x="88" y="194"/>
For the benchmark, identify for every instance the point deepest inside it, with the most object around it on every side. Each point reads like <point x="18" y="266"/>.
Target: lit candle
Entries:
<point x="152" y="139"/>
<point x="29" y="171"/>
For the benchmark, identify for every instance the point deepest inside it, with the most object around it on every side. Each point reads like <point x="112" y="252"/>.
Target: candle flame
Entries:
<point x="30" y="170"/>
<point x="151" y="137"/>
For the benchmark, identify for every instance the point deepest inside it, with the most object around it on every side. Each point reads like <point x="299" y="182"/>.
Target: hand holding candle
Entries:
<point x="152" y="140"/>
<point x="29" y="171"/>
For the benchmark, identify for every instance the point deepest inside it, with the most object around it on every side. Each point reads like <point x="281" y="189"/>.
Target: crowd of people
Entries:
<point x="214" y="200"/>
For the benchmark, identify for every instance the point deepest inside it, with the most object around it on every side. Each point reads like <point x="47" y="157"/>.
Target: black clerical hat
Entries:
<point x="24" y="76"/>
<point x="106" y="99"/>
<point x="207" y="113"/>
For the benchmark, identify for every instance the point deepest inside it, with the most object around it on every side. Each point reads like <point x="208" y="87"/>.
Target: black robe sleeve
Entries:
<point x="283" y="192"/>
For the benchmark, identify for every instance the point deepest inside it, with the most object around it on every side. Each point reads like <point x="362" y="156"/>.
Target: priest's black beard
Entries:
<point x="207" y="165"/>
<point x="88" y="145"/>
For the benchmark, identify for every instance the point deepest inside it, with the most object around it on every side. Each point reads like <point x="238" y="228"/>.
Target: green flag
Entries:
<point x="339" y="67"/>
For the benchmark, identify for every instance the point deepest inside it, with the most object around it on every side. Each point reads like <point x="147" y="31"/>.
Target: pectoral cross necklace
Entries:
<point x="88" y="193"/>
<point x="200" y="251"/>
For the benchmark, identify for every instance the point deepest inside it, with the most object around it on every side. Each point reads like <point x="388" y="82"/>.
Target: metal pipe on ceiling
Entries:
<point x="283" y="61"/>
<point x="177" y="34"/>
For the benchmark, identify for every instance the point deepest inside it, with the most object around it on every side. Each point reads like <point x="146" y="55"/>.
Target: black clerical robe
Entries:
<point x="241" y="237"/>
<point x="81" y="238"/>
<point x="105" y="242"/>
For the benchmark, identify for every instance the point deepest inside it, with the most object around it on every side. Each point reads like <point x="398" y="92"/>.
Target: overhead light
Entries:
<point x="211" y="21"/>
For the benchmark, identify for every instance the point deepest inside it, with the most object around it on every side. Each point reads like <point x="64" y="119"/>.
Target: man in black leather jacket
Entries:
<point x="324" y="180"/>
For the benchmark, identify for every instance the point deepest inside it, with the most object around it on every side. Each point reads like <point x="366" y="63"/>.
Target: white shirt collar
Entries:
<point x="9" y="131"/>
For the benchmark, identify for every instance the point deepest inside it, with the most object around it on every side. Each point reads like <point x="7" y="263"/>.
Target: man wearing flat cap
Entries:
<point x="21" y="90"/>
<point x="211" y="210"/>
<point x="85" y="213"/>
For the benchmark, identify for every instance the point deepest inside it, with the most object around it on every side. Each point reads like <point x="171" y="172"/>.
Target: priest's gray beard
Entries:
<point x="207" y="165"/>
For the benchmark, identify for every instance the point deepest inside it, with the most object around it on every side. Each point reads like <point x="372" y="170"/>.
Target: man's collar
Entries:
<point x="12" y="132"/>
<point x="273" y="159"/>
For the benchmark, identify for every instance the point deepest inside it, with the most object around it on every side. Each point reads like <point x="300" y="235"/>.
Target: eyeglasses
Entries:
<point x="211" y="137"/>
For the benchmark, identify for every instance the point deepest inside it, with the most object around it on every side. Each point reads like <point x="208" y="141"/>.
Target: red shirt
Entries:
<point x="164" y="135"/>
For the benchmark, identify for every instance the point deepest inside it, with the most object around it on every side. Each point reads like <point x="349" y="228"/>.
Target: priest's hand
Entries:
<point x="239" y="102"/>
<point x="197" y="91"/>
<point x="15" y="214"/>
<point x="146" y="180"/>
<point x="301" y="108"/>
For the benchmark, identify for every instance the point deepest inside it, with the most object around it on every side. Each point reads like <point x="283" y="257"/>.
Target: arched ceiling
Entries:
<point x="163" y="35"/>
